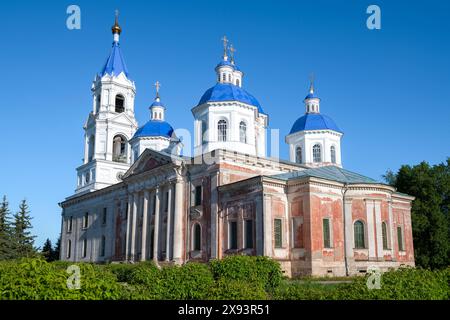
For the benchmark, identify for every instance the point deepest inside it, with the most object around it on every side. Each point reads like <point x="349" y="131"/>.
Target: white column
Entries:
<point x="214" y="214"/>
<point x="390" y="229"/>
<point x="379" y="237"/>
<point x="259" y="215"/>
<point x="156" y="226"/>
<point x="133" y="227"/>
<point x="178" y="222"/>
<point x="127" y="233"/>
<point x="169" y="213"/>
<point x="268" y="234"/>
<point x="144" y="226"/>
<point x="350" y="242"/>
<point x="370" y="228"/>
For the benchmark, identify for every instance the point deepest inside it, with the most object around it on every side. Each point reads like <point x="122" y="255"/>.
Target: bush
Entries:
<point x="307" y="290"/>
<point x="36" y="279"/>
<point x="401" y="284"/>
<point x="237" y="290"/>
<point x="261" y="270"/>
<point x="191" y="281"/>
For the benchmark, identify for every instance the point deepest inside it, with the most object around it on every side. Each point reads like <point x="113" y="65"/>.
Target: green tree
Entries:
<point x="6" y="250"/>
<point x="430" y="210"/>
<point x="23" y="240"/>
<point x="57" y="249"/>
<point x="47" y="250"/>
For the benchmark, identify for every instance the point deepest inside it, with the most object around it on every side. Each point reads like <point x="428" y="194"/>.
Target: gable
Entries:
<point x="149" y="160"/>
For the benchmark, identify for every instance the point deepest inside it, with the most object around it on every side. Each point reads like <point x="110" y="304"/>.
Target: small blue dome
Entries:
<point x="157" y="104"/>
<point x="314" y="121"/>
<point x="154" y="128"/>
<point x="229" y="92"/>
<point x="225" y="63"/>
<point x="311" y="96"/>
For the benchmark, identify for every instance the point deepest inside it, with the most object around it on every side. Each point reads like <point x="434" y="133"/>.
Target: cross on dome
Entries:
<point x="225" y="46"/>
<point x="157" y="86"/>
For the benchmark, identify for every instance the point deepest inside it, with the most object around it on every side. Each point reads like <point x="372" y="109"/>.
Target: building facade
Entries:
<point x="138" y="198"/>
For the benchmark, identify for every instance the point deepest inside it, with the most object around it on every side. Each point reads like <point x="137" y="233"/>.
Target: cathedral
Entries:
<point x="138" y="198"/>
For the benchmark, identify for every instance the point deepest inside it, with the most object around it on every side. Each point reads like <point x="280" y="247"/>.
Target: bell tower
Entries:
<point x="110" y="124"/>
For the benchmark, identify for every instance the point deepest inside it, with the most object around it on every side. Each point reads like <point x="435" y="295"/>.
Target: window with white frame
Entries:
<point x="222" y="130"/>
<point x="333" y="154"/>
<point x="298" y="155"/>
<point x="243" y="132"/>
<point x="317" y="153"/>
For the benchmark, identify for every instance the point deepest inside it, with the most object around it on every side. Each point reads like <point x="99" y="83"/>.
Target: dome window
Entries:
<point x="222" y="130"/>
<point x="317" y="153"/>
<point x="333" y="154"/>
<point x="243" y="132"/>
<point x="298" y="155"/>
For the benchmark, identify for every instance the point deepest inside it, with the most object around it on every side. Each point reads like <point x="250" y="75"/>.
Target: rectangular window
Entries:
<point x="103" y="246"/>
<point x="86" y="220"/>
<point x="233" y="235"/>
<point x="84" y="249"/>
<point x="69" y="224"/>
<point x="278" y="233"/>
<point x="326" y="233"/>
<point x="198" y="195"/>
<point x="69" y="248"/>
<point x="400" y="239"/>
<point x="104" y="216"/>
<point x="249" y="234"/>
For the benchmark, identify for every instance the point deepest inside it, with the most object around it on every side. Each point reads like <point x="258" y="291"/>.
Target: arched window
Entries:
<point x="222" y="130"/>
<point x="103" y="246"/>
<point x="69" y="248"/>
<point x="229" y="77"/>
<point x="298" y="155"/>
<point x="204" y="132"/>
<point x="120" y="103"/>
<point x="197" y="239"/>
<point x="224" y="77"/>
<point x="359" y="235"/>
<point x="333" y="154"/>
<point x="384" y="234"/>
<point x="238" y="83"/>
<point x="91" y="148"/>
<point x="119" y="149"/>
<point x="243" y="132"/>
<point x="317" y="153"/>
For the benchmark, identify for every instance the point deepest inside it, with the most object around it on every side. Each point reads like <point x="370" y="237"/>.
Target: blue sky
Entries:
<point x="387" y="89"/>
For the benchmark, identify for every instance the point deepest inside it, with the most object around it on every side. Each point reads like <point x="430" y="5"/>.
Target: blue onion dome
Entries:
<point x="155" y="128"/>
<point x="311" y="95"/>
<point x="157" y="103"/>
<point x="229" y="92"/>
<point x="314" y="121"/>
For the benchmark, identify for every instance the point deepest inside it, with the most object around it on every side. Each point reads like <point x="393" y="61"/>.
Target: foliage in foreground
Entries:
<point x="233" y="278"/>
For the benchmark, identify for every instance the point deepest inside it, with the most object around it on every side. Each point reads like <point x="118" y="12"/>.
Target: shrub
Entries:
<point x="401" y="284"/>
<point x="226" y="289"/>
<point x="305" y="290"/>
<point x="36" y="279"/>
<point x="261" y="270"/>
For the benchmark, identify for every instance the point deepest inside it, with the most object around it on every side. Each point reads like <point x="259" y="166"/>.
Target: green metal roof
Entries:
<point x="329" y="173"/>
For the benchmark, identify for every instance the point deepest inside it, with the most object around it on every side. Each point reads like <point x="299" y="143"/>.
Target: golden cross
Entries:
<point x="311" y="82"/>
<point x="232" y="51"/>
<point x="225" y="42"/>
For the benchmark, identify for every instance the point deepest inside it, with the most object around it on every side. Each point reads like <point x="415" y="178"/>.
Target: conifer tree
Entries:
<point x="22" y="238"/>
<point x="6" y="250"/>
<point x="47" y="250"/>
